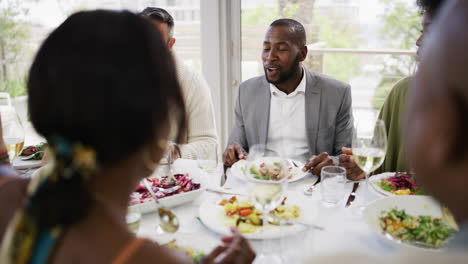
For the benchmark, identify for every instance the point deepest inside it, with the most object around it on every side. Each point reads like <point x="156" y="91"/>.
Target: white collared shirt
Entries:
<point x="287" y="128"/>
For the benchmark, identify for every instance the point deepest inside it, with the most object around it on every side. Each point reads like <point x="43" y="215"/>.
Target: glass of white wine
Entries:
<point x="267" y="193"/>
<point x="369" y="148"/>
<point x="13" y="131"/>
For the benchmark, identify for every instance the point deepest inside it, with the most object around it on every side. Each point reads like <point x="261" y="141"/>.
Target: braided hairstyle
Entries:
<point x="106" y="80"/>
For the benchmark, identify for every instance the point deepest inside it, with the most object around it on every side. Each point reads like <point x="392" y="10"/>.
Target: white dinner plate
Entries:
<point x="212" y="216"/>
<point x="25" y="164"/>
<point x="238" y="169"/>
<point x="374" y="182"/>
<point x="415" y="205"/>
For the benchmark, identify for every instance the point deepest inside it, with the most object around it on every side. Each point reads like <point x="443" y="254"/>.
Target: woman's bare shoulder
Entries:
<point x="13" y="193"/>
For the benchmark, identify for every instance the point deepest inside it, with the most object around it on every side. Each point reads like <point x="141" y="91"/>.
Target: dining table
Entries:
<point x="342" y="230"/>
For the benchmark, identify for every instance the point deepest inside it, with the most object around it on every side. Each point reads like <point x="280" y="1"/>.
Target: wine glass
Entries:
<point x="369" y="148"/>
<point x="267" y="183"/>
<point x="13" y="131"/>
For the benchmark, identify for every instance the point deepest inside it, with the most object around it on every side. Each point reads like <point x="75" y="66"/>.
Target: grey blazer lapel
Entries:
<point x="262" y="113"/>
<point x="312" y="106"/>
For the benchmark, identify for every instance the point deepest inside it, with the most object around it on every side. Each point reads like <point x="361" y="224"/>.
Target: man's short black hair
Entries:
<point x="161" y="15"/>
<point x="297" y="28"/>
<point x="429" y="6"/>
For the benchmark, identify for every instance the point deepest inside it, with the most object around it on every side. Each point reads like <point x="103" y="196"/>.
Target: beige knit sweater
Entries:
<point x="201" y="140"/>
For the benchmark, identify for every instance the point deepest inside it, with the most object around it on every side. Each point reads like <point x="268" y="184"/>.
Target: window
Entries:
<point x="34" y="20"/>
<point x="347" y="39"/>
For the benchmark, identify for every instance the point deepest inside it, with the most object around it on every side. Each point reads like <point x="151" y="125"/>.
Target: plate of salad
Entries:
<point x="186" y="190"/>
<point x="410" y="221"/>
<point x="37" y="152"/>
<point x="395" y="183"/>
<point x="221" y="215"/>
<point x="269" y="168"/>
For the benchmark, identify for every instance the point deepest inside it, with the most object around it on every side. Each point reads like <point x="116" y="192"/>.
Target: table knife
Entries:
<point x="223" y="177"/>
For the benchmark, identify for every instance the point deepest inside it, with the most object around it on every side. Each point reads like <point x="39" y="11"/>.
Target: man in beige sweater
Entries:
<point x="201" y="140"/>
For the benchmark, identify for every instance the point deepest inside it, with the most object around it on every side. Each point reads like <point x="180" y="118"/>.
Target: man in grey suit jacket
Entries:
<point x="293" y="111"/>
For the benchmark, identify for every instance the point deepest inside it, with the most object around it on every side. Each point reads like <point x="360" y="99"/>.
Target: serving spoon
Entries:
<point x="32" y="155"/>
<point x="168" y="219"/>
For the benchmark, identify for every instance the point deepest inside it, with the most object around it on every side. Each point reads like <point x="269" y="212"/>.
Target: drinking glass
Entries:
<point x="208" y="160"/>
<point x="333" y="181"/>
<point x="369" y="148"/>
<point x="266" y="195"/>
<point x="13" y="131"/>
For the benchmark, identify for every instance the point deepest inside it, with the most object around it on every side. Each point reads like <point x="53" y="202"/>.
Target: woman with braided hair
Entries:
<point x="103" y="92"/>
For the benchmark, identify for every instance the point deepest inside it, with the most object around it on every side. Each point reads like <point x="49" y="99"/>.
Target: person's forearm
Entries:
<point x="199" y="149"/>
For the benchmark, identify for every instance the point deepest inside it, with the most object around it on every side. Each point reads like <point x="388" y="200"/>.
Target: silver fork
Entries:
<point x="310" y="189"/>
<point x="169" y="190"/>
<point x="294" y="163"/>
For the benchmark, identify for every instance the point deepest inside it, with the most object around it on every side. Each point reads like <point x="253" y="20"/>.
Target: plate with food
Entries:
<point x="412" y="221"/>
<point x="30" y="157"/>
<point x="267" y="168"/>
<point x="395" y="183"/>
<point x="170" y="192"/>
<point x="194" y="246"/>
<point x="221" y="215"/>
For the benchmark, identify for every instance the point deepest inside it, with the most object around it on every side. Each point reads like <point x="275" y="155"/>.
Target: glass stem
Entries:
<point x="366" y="191"/>
<point x="264" y="225"/>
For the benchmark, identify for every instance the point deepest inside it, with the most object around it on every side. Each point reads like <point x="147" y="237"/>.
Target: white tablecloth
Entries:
<point x="344" y="231"/>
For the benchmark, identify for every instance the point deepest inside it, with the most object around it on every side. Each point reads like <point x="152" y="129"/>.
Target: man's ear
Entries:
<point x="304" y="52"/>
<point x="171" y="43"/>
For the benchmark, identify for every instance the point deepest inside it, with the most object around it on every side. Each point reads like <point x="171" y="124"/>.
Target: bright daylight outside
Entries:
<point x="369" y="44"/>
<point x="233" y="131"/>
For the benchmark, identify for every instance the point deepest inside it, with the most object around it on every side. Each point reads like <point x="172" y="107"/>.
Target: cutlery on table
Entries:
<point x="169" y="190"/>
<point x="310" y="189"/>
<point x="352" y="195"/>
<point x="274" y="220"/>
<point x="222" y="191"/>
<point x="223" y="177"/>
<point x="169" y="221"/>
<point x="294" y="164"/>
<point x="29" y="157"/>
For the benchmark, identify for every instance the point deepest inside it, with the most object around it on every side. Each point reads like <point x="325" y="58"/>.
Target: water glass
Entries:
<point x="208" y="159"/>
<point x="332" y="184"/>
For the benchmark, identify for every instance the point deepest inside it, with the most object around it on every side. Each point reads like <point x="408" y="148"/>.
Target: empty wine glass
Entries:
<point x="369" y="148"/>
<point x="208" y="159"/>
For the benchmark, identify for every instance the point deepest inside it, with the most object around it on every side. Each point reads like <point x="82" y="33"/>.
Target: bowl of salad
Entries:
<point x="396" y="183"/>
<point x="410" y="221"/>
<point x="170" y="192"/>
<point x="424" y="231"/>
<point x="33" y="155"/>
